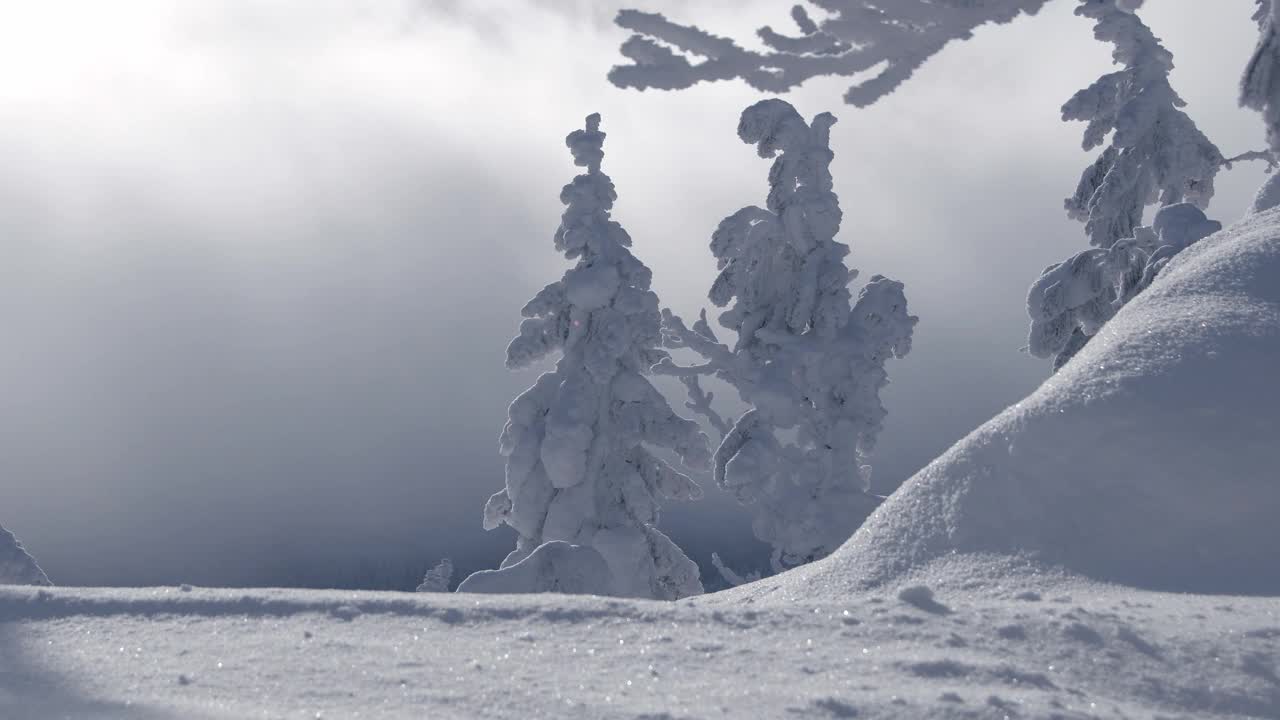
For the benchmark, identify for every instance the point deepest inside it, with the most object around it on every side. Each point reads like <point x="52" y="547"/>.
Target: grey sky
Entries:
<point x="262" y="259"/>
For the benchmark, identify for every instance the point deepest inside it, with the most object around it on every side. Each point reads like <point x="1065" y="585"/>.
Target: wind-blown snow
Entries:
<point x="1151" y="458"/>
<point x="16" y="566"/>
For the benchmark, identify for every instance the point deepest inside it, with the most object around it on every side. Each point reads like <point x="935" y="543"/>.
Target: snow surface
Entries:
<point x="16" y="566"/>
<point x="1149" y="460"/>
<point x="1033" y="648"/>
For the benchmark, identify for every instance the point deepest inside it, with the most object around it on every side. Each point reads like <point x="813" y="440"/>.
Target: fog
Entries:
<point x="261" y="260"/>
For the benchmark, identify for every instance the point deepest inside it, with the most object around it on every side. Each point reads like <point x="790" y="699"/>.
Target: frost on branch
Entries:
<point x="1072" y="300"/>
<point x="438" y="578"/>
<point x="16" y="566"/>
<point x="806" y="359"/>
<point x="579" y="470"/>
<point x="1156" y="153"/>
<point x="893" y="37"/>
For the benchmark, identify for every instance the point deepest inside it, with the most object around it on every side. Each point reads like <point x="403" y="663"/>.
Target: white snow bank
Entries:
<point x="553" y="566"/>
<point x="1151" y="459"/>
<point x="1076" y="651"/>
<point x="16" y="566"/>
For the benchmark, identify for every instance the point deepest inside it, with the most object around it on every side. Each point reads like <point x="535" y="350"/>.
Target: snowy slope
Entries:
<point x="1072" y="651"/>
<point x="1151" y="459"/>
<point x="16" y="566"/>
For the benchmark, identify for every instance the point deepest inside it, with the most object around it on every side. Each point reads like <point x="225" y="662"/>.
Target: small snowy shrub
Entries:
<point x="16" y="566"/>
<point x="578" y="469"/>
<point x="805" y="359"/>
<point x="438" y="578"/>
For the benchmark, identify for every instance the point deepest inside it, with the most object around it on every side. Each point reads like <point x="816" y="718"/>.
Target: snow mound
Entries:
<point x="554" y="566"/>
<point x="16" y="566"/>
<point x="1150" y="459"/>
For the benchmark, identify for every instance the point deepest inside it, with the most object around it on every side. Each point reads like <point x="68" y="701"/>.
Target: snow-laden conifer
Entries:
<point x="579" y="467"/>
<point x="1154" y="153"/>
<point x="17" y="567"/>
<point x="805" y="359"/>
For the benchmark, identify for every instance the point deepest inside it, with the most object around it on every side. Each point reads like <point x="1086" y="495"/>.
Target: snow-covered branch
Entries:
<point x="894" y="37"/>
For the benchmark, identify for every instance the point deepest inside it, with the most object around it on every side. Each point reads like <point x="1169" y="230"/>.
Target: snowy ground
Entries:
<point x="1069" y="649"/>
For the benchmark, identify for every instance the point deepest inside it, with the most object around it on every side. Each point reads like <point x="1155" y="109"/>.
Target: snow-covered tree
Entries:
<point x="17" y="567"/>
<point x="805" y="358"/>
<point x="578" y="466"/>
<point x="438" y="578"/>
<point x="1155" y="154"/>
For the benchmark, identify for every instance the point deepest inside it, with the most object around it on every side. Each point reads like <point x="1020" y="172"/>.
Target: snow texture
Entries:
<point x="16" y="566"/>
<point x="578" y="470"/>
<point x="1149" y="459"/>
<point x="438" y="578"/>
<point x="805" y="357"/>
<point x="1011" y="645"/>
<point x="894" y="37"/>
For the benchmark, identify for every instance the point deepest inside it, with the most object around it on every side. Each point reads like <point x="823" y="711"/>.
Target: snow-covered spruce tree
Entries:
<point x="805" y="359"/>
<point x="578" y="469"/>
<point x="438" y="578"/>
<point x="17" y="567"/>
<point x="1156" y="154"/>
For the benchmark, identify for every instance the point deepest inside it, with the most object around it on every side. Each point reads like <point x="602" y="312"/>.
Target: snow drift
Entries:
<point x="16" y="566"/>
<point x="1151" y="459"/>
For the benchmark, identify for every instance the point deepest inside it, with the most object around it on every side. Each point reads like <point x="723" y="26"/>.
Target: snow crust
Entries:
<point x="17" y="567"/>
<point x="1149" y="459"/>
<point x="1012" y="645"/>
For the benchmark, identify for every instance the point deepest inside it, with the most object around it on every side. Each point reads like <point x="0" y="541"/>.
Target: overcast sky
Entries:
<point x="261" y="259"/>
